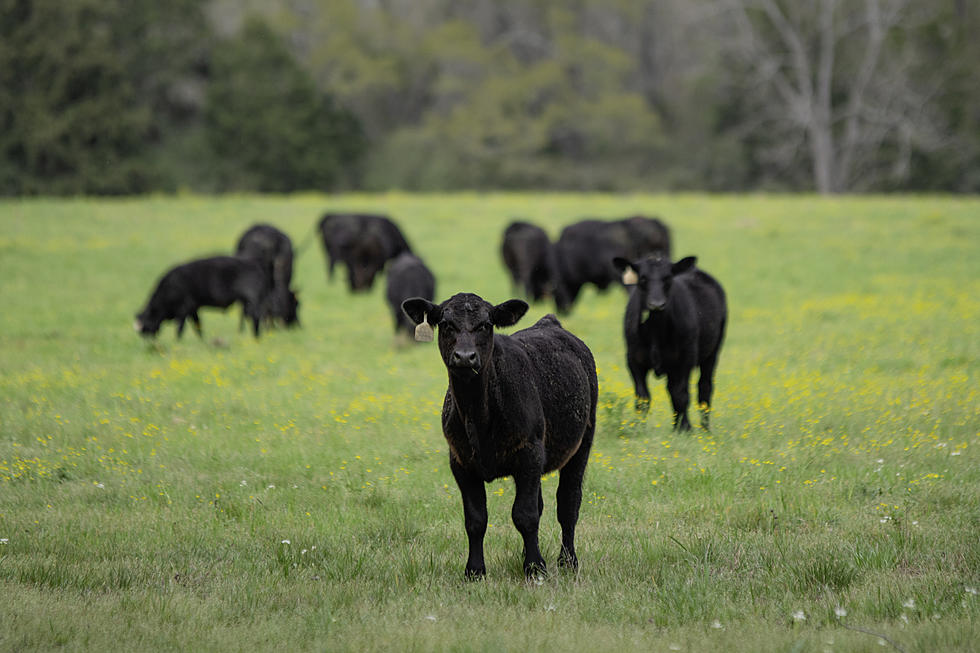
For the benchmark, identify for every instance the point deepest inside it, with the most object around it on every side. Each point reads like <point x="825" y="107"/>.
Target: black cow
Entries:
<point x="685" y="328"/>
<point x="219" y="281"/>
<point x="519" y="405"/>
<point x="585" y="250"/>
<point x="363" y="242"/>
<point x="529" y="258"/>
<point x="407" y="277"/>
<point x="274" y="251"/>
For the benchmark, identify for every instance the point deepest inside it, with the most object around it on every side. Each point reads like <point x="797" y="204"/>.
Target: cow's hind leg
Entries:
<point x="569" y="499"/>
<point x="526" y="514"/>
<point x="706" y="387"/>
<point x="474" y="495"/>
<point x="196" y="321"/>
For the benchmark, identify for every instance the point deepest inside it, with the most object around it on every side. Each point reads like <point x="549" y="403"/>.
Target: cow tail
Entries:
<point x="307" y="239"/>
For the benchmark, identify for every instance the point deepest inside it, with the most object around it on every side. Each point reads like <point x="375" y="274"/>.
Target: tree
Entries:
<point x="70" y="118"/>
<point x="836" y="81"/>
<point x="270" y="126"/>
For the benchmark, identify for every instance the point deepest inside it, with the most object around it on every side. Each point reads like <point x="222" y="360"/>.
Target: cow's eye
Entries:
<point x="447" y="327"/>
<point x="642" y="281"/>
<point x="486" y="326"/>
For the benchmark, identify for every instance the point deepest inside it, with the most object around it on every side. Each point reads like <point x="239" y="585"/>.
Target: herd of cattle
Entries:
<point x="518" y="405"/>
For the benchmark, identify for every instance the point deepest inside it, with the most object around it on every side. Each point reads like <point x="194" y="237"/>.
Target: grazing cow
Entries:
<point x="529" y="258"/>
<point x="408" y="277"/>
<point x="274" y="251"/>
<point x="585" y="250"/>
<point x="519" y="405"/>
<point x="364" y="243"/>
<point x="219" y="281"/>
<point x="684" y="328"/>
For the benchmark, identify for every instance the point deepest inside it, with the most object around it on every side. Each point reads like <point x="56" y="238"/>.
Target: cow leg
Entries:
<point x="678" y="386"/>
<point x="569" y="499"/>
<point x="705" y="388"/>
<point x="526" y="514"/>
<point x="474" y="495"/>
<point x="196" y="321"/>
<point x="180" y="326"/>
<point x="639" y="373"/>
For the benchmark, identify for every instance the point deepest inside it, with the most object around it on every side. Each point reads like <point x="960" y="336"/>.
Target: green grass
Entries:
<point x="293" y="493"/>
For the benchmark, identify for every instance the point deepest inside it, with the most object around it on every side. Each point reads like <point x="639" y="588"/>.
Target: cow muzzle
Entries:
<point x="465" y="359"/>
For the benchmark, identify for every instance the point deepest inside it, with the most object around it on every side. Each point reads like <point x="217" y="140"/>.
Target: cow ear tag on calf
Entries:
<point x="629" y="277"/>
<point x="423" y="331"/>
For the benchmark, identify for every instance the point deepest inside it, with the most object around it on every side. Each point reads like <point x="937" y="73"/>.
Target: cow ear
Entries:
<point x="421" y="310"/>
<point x="508" y="313"/>
<point x="627" y="269"/>
<point x="683" y="265"/>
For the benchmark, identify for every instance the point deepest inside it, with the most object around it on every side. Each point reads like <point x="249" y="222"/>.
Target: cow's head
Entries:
<point x="653" y="277"/>
<point x="284" y="304"/>
<point x="147" y="324"/>
<point x="365" y="259"/>
<point x="465" y="323"/>
<point x="291" y="317"/>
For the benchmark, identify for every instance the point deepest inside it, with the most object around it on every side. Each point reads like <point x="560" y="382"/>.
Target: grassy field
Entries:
<point x="293" y="492"/>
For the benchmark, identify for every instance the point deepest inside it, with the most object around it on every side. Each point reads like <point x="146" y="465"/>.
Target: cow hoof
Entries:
<point x="566" y="561"/>
<point x="476" y="573"/>
<point x="535" y="571"/>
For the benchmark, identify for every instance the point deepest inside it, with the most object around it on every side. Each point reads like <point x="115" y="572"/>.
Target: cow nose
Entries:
<point x="465" y="358"/>
<point x="656" y="306"/>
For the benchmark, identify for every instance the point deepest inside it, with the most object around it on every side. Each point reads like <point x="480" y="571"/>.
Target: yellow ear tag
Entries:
<point x="423" y="331"/>
<point x="629" y="277"/>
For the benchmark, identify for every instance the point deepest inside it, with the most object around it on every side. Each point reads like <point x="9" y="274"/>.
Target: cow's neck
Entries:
<point x="472" y="398"/>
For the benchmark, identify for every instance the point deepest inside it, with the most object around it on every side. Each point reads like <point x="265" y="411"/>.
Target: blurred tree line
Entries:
<point x="132" y="96"/>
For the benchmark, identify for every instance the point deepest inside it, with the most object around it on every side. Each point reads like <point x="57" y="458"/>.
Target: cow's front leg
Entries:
<point x="680" y="397"/>
<point x="638" y="370"/>
<point x="474" y="495"/>
<point x="526" y="514"/>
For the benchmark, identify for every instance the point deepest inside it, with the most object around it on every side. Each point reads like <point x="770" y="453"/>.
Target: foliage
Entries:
<point x="70" y="122"/>
<point x="268" y="123"/>
<point x="130" y="97"/>
<point x="293" y="492"/>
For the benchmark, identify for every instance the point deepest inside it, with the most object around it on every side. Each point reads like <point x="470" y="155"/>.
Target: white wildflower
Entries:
<point x="4" y="540"/>
<point x="243" y="483"/>
<point x="430" y="617"/>
<point x="840" y="612"/>
<point x="799" y="615"/>
<point x="716" y="625"/>
<point x="910" y="604"/>
<point x="971" y="590"/>
<point x="285" y="542"/>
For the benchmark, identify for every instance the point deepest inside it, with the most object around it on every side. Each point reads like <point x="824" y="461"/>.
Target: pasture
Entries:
<point x="294" y="493"/>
